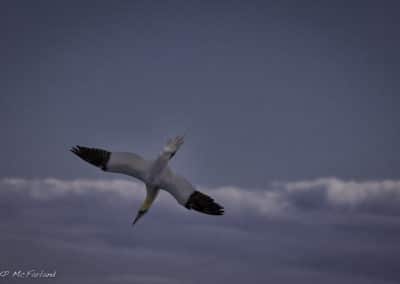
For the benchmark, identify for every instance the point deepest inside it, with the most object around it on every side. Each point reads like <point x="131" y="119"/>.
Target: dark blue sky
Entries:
<point x="288" y="90"/>
<point x="269" y="91"/>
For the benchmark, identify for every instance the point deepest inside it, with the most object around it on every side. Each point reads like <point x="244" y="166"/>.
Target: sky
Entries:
<point x="291" y="115"/>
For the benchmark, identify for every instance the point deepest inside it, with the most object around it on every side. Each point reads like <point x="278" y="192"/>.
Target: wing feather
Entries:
<point x="203" y="203"/>
<point x="118" y="162"/>
<point x="185" y="193"/>
<point x="94" y="156"/>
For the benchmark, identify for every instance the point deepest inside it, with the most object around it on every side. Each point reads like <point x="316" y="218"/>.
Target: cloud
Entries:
<point x="50" y="188"/>
<point x="377" y="197"/>
<point x="279" y="199"/>
<point x="323" y="230"/>
<point x="348" y="192"/>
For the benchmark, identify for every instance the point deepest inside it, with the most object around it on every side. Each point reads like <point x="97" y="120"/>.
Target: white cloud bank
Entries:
<point x="350" y="193"/>
<point x="280" y="198"/>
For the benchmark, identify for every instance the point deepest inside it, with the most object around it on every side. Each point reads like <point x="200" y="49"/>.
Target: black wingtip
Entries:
<point x="203" y="203"/>
<point x="94" y="156"/>
<point x="74" y="149"/>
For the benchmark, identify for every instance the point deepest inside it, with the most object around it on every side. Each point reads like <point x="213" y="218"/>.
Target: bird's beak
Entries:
<point x="138" y="216"/>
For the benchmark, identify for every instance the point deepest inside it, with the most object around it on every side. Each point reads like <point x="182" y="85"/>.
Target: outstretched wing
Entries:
<point x="185" y="193"/>
<point x="117" y="162"/>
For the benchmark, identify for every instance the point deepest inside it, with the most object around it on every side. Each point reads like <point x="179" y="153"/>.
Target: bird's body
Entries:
<point x="155" y="174"/>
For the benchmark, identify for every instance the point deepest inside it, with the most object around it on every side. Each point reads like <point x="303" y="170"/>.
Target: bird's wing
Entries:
<point x="117" y="162"/>
<point x="186" y="195"/>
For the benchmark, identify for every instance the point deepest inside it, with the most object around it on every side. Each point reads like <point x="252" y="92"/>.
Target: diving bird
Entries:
<point x="156" y="174"/>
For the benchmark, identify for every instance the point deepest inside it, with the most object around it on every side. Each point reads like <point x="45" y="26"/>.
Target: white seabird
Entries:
<point x="156" y="174"/>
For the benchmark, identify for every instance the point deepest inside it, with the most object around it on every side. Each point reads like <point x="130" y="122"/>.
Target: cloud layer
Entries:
<point x="280" y="198"/>
<point x="325" y="231"/>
